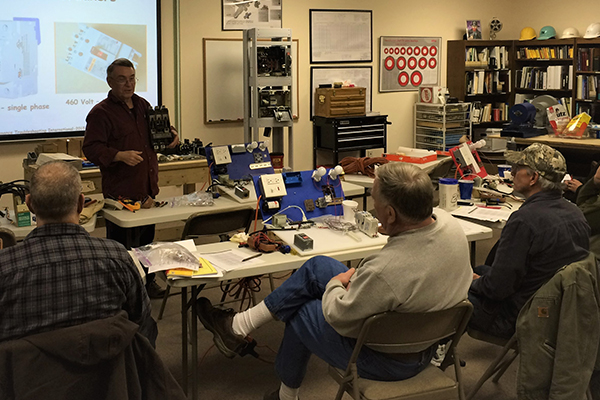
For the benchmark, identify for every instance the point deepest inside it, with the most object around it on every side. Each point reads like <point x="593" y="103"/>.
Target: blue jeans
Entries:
<point x="490" y="316"/>
<point x="297" y="302"/>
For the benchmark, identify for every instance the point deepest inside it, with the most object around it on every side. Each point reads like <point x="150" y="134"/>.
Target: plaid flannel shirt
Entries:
<point x="60" y="276"/>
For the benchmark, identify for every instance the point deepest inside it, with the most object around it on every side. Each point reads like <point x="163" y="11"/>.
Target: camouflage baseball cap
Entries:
<point x="543" y="159"/>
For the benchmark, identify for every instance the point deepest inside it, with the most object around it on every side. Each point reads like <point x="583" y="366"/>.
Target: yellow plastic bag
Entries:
<point x="576" y="127"/>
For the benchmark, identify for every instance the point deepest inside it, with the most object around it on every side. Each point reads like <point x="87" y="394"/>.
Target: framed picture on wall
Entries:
<point x="341" y="36"/>
<point x="473" y="29"/>
<point x="359" y="76"/>
<point x="238" y="15"/>
<point x="408" y="62"/>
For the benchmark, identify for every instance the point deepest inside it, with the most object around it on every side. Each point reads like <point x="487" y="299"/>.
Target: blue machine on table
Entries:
<point x="302" y="190"/>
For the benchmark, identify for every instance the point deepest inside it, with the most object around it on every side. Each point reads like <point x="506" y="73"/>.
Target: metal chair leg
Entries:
<point x="494" y="367"/>
<point x="164" y="302"/>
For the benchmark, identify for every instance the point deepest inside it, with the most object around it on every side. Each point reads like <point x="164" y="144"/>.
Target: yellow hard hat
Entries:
<point x="527" y="33"/>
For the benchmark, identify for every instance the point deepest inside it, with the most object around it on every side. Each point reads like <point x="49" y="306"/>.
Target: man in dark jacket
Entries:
<point x="545" y="234"/>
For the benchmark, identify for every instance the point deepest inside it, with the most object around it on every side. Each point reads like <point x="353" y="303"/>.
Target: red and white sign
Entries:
<point x="417" y="63"/>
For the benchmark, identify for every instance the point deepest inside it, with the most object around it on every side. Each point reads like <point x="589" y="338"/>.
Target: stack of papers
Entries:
<point x="206" y="270"/>
<point x="483" y="213"/>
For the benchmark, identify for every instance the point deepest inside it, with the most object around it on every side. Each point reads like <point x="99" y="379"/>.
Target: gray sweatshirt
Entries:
<point x="425" y="269"/>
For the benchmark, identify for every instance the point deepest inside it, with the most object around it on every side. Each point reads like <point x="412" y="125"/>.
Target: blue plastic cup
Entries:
<point x="465" y="187"/>
<point x="502" y="168"/>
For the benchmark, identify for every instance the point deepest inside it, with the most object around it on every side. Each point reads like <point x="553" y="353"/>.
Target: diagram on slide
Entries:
<point x="19" y="40"/>
<point x="84" y="51"/>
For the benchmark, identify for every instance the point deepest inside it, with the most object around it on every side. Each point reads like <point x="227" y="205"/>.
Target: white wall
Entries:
<point x="442" y="18"/>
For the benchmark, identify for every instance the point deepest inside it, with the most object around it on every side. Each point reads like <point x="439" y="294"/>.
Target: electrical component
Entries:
<point x="321" y="202"/>
<point x="273" y="61"/>
<point x="221" y="155"/>
<point x="303" y="241"/>
<point x="279" y="220"/>
<point x="251" y="146"/>
<point x="160" y="128"/>
<point x="366" y="223"/>
<point x="241" y="192"/>
<point x="238" y="148"/>
<point x="292" y="178"/>
<point x="309" y="205"/>
<point x="335" y="172"/>
<point x="272" y="186"/>
<point x="264" y="145"/>
<point x="318" y="174"/>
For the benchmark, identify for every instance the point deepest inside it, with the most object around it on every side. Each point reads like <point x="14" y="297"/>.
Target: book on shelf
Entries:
<point x="588" y="59"/>
<point x="488" y="112"/>
<point x="587" y="87"/>
<point x="545" y="53"/>
<point x="493" y="58"/>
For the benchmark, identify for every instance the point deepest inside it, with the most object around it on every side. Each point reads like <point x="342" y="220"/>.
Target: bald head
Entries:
<point x="55" y="193"/>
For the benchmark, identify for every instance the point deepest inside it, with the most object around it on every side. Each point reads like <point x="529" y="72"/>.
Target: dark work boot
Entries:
<point x="218" y="321"/>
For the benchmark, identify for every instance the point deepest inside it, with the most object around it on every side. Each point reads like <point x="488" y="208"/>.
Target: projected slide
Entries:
<point x="53" y="61"/>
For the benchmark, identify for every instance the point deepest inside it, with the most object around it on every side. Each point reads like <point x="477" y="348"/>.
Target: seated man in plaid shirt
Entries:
<point x="60" y="276"/>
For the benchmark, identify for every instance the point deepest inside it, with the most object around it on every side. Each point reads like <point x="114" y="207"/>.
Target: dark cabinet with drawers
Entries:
<point x="360" y="133"/>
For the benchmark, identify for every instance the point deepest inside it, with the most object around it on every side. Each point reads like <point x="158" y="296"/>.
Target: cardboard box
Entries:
<point x="21" y="212"/>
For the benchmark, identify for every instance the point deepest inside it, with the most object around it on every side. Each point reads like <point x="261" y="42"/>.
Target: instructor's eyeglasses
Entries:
<point x="122" y="80"/>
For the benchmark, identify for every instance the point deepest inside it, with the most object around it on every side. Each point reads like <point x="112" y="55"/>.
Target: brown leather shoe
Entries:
<point x="219" y="322"/>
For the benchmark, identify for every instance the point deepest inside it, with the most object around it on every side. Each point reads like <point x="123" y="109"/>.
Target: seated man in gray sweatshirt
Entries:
<point x="423" y="267"/>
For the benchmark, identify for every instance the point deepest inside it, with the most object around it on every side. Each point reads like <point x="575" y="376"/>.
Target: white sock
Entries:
<point x="247" y="321"/>
<point x="288" y="393"/>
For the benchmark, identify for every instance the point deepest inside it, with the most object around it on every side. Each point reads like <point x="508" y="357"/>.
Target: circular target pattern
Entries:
<point x="433" y="51"/>
<point x="401" y="62"/>
<point x="416" y="78"/>
<point x="422" y="63"/>
<point x="389" y="63"/>
<point x="403" y="50"/>
<point x="432" y="63"/>
<point x="412" y="63"/>
<point x="396" y="50"/>
<point x="417" y="50"/>
<point x="424" y="50"/>
<point x="385" y="51"/>
<point x="409" y="50"/>
<point x="403" y="79"/>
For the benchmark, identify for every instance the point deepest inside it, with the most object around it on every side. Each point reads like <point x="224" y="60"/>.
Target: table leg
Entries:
<point x="473" y="253"/>
<point x="184" y="349"/>
<point x="194" y="344"/>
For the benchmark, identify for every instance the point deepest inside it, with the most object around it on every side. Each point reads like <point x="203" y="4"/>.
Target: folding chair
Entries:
<point x="404" y="332"/>
<point x="207" y="225"/>
<point x="7" y="238"/>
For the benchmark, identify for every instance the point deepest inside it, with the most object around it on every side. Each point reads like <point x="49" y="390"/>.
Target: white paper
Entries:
<point x="482" y="213"/>
<point x="229" y="260"/>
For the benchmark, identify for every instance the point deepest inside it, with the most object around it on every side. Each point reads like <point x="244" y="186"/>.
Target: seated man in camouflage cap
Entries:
<point x="545" y="234"/>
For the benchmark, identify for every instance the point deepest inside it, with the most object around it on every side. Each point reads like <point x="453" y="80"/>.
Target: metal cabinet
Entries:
<point x="358" y="133"/>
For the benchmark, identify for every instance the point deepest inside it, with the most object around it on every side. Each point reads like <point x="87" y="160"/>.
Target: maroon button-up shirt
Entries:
<point x="113" y="127"/>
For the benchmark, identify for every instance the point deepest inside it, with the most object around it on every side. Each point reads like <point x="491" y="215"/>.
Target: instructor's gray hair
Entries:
<point x="119" y="62"/>
<point x="406" y="188"/>
<point x="54" y="191"/>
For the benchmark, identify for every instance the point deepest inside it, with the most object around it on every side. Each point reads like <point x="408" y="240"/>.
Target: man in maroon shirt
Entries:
<point x="118" y="141"/>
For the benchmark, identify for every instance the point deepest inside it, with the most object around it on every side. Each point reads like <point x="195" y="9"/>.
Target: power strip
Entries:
<point x="260" y="165"/>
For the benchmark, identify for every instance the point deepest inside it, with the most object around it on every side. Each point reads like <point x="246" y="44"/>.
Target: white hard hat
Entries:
<point x="592" y="31"/>
<point x="570" y="33"/>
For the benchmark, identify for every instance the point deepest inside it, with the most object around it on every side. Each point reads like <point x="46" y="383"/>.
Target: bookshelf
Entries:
<point x="544" y="67"/>
<point x="528" y="69"/>
<point x="480" y="72"/>
<point x="587" y="77"/>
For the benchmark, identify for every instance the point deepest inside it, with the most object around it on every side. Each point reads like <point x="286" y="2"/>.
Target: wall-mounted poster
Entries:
<point x="244" y="14"/>
<point x="406" y="63"/>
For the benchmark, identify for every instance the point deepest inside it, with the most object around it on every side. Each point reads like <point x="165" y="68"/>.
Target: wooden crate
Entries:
<point x="340" y="102"/>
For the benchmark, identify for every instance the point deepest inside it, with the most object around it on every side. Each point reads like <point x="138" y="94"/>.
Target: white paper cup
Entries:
<point x="349" y="207"/>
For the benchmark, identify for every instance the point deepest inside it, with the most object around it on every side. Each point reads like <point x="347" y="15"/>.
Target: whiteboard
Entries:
<point x="224" y="80"/>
